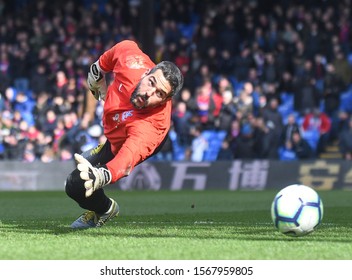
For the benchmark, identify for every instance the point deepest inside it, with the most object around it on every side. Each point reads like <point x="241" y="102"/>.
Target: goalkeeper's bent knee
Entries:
<point x="74" y="186"/>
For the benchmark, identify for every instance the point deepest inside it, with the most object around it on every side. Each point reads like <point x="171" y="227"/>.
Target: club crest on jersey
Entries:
<point x="135" y="62"/>
<point x="116" y="118"/>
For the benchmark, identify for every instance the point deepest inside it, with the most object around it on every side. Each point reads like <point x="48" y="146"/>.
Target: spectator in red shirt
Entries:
<point x="316" y="127"/>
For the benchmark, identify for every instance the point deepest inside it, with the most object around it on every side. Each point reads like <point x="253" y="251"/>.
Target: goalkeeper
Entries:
<point x="136" y="120"/>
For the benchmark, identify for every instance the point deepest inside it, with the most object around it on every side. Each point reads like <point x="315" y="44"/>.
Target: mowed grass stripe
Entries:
<point x="169" y="225"/>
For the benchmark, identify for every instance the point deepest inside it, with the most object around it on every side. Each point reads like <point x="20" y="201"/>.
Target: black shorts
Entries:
<point x="99" y="155"/>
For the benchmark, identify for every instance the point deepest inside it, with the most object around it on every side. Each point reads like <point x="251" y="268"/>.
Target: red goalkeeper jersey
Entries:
<point x="134" y="134"/>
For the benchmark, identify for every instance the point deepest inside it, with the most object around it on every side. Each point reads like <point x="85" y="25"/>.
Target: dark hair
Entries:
<point x="172" y="74"/>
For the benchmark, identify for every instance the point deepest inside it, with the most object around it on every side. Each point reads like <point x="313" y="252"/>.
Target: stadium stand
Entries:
<point x="298" y="52"/>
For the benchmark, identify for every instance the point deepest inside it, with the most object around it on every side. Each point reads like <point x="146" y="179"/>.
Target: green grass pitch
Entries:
<point x="166" y="225"/>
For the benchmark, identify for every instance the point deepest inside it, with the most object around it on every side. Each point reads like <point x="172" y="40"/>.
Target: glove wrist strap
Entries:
<point x="105" y="175"/>
<point x="96" y="71"/>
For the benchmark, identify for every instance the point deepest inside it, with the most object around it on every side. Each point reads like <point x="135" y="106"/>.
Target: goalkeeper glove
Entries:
<point x="96" y="81"/>
<point x="94" y="177"/>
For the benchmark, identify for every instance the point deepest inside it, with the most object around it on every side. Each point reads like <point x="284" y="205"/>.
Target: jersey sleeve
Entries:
<point x="109" y="60"/>
<point x="142" y="141"/>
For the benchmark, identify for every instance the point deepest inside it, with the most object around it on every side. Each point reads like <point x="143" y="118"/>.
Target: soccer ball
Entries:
<point x="297" y="210"/>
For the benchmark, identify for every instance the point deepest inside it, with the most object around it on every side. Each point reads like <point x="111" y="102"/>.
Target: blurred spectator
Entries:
<point x="222" y="85"/>
<point x="32" y="133"/>
<point x="289" y="128"/>
<point x="273" y="120"/>
<point x="306" y="95"/>
<point x="332" y="90"/>
<point x="244" y="143"/>
<point x="10" y="97"/>
<point x="245" y="104"/>
<point x="225" y="152"/>
<point x="270" y="71"/>
<point x="65" y="154"/>
<point x="61" y="105"/>
<point x="333" y="87"/>
<point x="345" y="141"/>
<point x="313" y="40"/>
<point x="20" y="58"/>
<point x="227" y="112"/>
<point x="287" y="152"/>
<point x="205" y="40"/>
<point x="301" y="147"/>
<point x="14" y="145"/>
<point x="48" y="155"/>
<point x="186" y="97"/>
<point x="38" y="80"/>
<point x="226" y="63"/>
<point x="24" y="105"/>
<point x="16" y="119"/>
<point x="29" y="153"/>
<point x="316" y="127"/>
<point x="263" y="136"/>
<point x="182" y="124"/>
<point x="61" y="84"/>
<point x="285" y="83"/>
<point x="50" y="122"/>
<point x="342" y="68"/>
<point x="199" y="144"/>
<point x="2" y="102"/>
<point x="58" y="134"/>
<point x="5" y="78"/>
<point x="40" y="108"/>
<point x="233" y="134"/>
<point x="42" y="144"/>
<point x="243" y="62"/>
<point x="205" y="105"/>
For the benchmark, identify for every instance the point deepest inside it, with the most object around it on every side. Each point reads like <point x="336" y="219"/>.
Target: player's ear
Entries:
<point x="166" y="100"/>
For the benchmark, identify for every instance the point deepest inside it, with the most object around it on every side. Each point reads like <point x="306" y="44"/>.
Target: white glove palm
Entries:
<point x="94" y="177"/>
<point x="96" y="81"/>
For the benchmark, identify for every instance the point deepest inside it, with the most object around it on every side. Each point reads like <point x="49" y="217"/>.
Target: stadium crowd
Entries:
<point x="263" y="79"/>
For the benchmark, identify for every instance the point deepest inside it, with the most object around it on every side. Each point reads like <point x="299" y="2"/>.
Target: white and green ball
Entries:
<point x="297" y="210"/>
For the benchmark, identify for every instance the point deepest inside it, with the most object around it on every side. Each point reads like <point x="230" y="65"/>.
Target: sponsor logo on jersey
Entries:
<point x="125" y="115"/>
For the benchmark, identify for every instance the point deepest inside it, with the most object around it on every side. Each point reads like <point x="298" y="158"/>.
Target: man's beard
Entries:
<point x="134" y="96"/>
